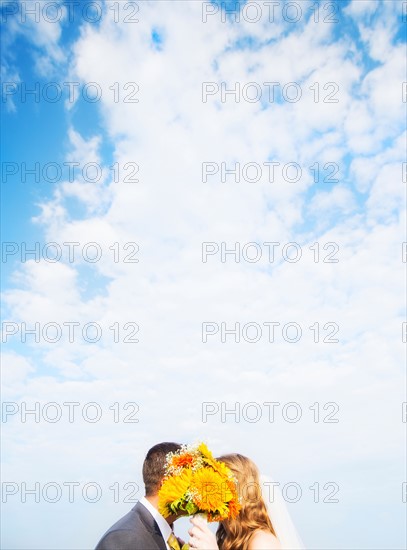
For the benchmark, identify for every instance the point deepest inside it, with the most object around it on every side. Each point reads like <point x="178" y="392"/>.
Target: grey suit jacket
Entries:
<point x="137" y="530"/>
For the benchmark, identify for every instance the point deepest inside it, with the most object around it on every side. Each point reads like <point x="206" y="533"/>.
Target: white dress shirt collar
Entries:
<point x="162" y="523"/>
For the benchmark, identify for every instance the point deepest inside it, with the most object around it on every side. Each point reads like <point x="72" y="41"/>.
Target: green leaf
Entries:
<point x="191" y="508"/>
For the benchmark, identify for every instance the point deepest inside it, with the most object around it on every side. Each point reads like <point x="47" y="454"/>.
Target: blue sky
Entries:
<point x="170" y="53"/>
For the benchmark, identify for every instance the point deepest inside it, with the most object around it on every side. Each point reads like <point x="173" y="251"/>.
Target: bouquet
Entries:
<point x="196" y="483"/>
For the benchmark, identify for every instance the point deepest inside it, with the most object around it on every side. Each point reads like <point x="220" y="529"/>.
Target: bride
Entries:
<point x="260" y="525"/>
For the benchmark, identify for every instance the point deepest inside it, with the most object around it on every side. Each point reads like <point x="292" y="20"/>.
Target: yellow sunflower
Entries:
<point x="222" y="469"/>
<point x="172" y="492"/>
<point x="212" y="493"/>
<point x="205" y="452"/>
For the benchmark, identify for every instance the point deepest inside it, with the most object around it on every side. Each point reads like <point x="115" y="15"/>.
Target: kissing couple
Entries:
<point x="258" y="525"/>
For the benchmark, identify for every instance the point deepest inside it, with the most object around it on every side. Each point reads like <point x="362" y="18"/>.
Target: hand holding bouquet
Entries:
<point x="196" y="483"/>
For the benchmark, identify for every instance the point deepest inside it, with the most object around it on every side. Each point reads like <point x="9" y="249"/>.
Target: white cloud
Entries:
<point x="339" y="200"/>
<point x="359" y="9"/>
<point x="40" y="23"/>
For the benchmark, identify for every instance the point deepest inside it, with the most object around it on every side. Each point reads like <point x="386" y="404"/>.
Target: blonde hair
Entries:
<point x="235" y="534"/>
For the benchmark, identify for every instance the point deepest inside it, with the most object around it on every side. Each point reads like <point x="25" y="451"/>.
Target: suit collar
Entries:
<point x="151" y="525"/>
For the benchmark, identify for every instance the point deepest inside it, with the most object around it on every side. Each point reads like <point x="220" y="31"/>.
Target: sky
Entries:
<point x="203" y="218"/>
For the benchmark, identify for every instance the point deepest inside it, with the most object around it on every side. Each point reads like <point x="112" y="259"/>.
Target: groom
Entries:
<point x="144" y="528"/>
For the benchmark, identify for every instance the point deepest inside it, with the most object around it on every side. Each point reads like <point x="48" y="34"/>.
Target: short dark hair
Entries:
<point x="153" y="466"/>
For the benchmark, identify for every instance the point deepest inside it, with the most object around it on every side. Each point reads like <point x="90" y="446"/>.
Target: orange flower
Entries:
<point x="234" y="509"/>
<point x="185" y="460"/>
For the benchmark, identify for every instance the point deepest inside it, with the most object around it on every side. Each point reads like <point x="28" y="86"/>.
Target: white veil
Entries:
<point x="280" y="518"/>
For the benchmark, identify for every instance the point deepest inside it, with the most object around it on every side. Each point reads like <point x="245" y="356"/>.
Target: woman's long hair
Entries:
<point x="235" y="534"/>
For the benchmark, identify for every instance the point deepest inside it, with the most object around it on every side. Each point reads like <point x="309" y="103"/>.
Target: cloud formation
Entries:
<point x="329" y="167"/>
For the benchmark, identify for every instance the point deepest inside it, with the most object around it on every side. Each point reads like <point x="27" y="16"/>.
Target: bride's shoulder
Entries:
<point x="262" y="540"/>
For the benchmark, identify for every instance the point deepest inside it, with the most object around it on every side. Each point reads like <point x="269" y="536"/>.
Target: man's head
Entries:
<point x="153" y="466"/>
